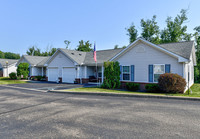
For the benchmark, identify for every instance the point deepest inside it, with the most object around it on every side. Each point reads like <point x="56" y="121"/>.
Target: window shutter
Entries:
<point x="167" y="68"/>
<point x="121" y="72"/>
<point x="132" y="72"/>
<point x="150" y="73"/>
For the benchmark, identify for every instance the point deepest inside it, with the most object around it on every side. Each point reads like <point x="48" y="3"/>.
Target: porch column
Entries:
<point x="85" y="72"/>
<point x="42" y="72"/>
<point x="102" y="73"/>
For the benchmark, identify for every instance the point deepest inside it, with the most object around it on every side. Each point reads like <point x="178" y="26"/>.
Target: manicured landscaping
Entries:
<point x="6" y="80"/>
<point x="101" y="90"/>
<point x="195" y="91"/>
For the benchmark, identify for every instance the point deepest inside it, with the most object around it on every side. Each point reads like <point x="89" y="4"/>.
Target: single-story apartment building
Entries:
<point x="7" y="66"/>
<point x="141" y="62"/>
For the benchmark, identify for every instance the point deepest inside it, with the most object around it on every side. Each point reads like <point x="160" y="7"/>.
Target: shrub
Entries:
<point x="152" y="88"/>
<point x="171" y="83"/>
<point x="38" y="78"/>
<point x="112" y="75"/>
<point x="22" y="70"/>
<point x="132" y="86"/>
<point x="13" y="76"/>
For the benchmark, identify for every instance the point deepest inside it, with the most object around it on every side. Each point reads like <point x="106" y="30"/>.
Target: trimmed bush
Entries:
<point x="132" y="86"/>
<point x="38" y="78"/>
<point x="152" y="88"/>
<point x="13" y="76"/>
<point x="171" y="83"/>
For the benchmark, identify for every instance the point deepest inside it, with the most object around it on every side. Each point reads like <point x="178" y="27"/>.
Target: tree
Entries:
<point x="52" y="51"/>
<point x="67" y="43"/>
<point x="2" y="54"/>
<point x="132" y="33"/>
<point x="112" y="75"/>
<point x="22" y="70"/>
<point x="34" y="51"/>
<point x="9" y="55"/>
<point x="197" y="40"/>
<point x="150" y="30"/>
<point x="175" y="31"/>
<point x="124" y="46"/>
<point x="116" y="46"/>
<point x="84" y="46"/>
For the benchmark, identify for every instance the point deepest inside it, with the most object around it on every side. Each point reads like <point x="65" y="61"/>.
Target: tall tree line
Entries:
<point x="9" y="55"/>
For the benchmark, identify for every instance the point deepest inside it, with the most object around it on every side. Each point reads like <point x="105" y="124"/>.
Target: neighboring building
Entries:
<point x="141" y="62"/>
<point x="36" y="64"/>
<point x="7" y="66"/>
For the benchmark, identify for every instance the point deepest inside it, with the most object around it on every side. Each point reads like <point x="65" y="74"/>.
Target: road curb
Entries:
<point x="126" y="95"/>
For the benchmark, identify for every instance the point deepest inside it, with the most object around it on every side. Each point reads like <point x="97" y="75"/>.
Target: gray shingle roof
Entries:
<point x="102" y="56"/>
<point x="77" y="56"/>
<point x="10" y="62"/>
<point x="35" y="60"/>
<point x="180" y="48"/>
<point x="86" y="58"/>
<point x="41" y="64"/>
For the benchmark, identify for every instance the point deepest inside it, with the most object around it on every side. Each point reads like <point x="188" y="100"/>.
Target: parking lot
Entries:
<point x="37" y="114"/>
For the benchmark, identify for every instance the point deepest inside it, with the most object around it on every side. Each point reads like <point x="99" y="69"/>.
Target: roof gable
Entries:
<point x="33" y="60"/>
<point x="162" y="49"/>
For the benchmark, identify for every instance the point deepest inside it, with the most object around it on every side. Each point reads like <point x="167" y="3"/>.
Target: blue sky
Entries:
<point x="49" y="22"/>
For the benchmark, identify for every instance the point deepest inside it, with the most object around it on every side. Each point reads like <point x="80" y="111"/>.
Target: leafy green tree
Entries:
<point x="116" y="46"/>
<point x="132" y="33"/>
<point x="2" y="54"/>
<point x="124" y="46"/>
<point x="9" y="55"/>
<point x="175" y="31"/>
<point x="34" y="51"/>
<point x="84" y="46"/>
<point x="22" y="70"/>
<point x="67" y="43"/>
<point x="150" y="30"/>
<point x="52" y="51"/>
<point x="197" y="40"/>
<point x="112" y="75"/>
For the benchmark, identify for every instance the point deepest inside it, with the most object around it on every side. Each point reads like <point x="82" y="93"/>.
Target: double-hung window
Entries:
<point x="126" y="73"/>
<point x="158" y="69"/>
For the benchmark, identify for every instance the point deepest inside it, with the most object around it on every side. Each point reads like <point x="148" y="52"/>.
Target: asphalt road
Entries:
<point x="35" y="114"/>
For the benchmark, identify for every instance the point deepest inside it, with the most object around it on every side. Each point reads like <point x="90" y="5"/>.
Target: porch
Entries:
<point x="90" y="74"/>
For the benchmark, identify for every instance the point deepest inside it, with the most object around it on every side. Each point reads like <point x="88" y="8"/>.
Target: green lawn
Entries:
<point x="6" y="80"/>
<point x="101" y="90"/>
<point x="195" y="91"/>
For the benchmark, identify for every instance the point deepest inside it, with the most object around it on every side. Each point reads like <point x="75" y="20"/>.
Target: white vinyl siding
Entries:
<point x="60" y="61"/>
<point x="143" y="55"/>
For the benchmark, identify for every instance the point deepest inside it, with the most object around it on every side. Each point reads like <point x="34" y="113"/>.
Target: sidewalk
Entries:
<point x="127" y="95"/>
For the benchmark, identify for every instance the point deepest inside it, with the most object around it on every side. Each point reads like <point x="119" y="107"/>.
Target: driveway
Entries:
<point x="35" y="114"/>
<point x="46" y="85"/>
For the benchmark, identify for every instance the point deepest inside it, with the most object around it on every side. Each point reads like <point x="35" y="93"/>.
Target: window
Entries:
<point x="99" y="74"/>
<point x="158" y="70"/>
<point x="126" y="72"/>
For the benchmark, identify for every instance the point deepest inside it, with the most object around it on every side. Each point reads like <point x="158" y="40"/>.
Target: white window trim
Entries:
<point x="126" y="72"/>
<point x="153" y="70"/>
